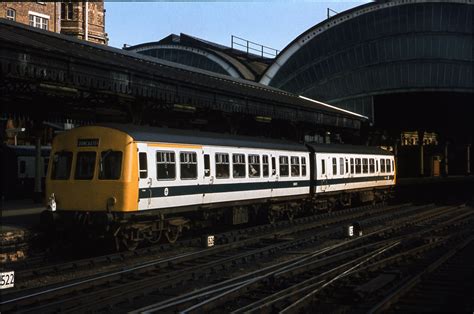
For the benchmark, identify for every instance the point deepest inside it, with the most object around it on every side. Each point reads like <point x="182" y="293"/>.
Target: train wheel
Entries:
<point x="272" y="217"/>
<point x="173" y="233"/>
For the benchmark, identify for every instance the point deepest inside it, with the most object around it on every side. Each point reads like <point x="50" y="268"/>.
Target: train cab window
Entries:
<point x="265" y="167"/>
<point x="365" y="166"/>
<point x="188" y="165"/>
<point x="323" y="166"/>
<point x="334" y="166"/>
<point x="143" y="165"/>
<point x="85" y="165"/>
<point x="303" y="166"/>
<point x="284" y="170"/>
<point x="254" y="166"/>
<point x="222" y="165"/>
<point x="352" y="166"/>
<point x="110" y="165"/>
<point x="358" y="166"/>
<point x="382" y="165"/>
<point x="165" y="165"/>
<point x="61" y="166"/>
<point x="295" y="166"/>
<point x="387" y="165"/>
<point x="371" y="165"/>
<point x="274" y="166"/>
<point x="341" y="166"/>
<point x="207" y="165"/>
<point x="238" y="165"/>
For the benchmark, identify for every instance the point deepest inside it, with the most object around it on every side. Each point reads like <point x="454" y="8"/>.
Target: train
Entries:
<point x="137" y="183"/>
<point x="18" y="168"/>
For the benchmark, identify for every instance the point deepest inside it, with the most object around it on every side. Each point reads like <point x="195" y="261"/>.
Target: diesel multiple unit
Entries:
<point x="137" y="183"/>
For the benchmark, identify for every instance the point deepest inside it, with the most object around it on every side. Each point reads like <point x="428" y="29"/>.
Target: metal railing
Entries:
<point x="252" y="47"/>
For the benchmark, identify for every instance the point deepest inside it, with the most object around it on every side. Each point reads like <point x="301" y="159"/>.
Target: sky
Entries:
<point x="270" y="23"/>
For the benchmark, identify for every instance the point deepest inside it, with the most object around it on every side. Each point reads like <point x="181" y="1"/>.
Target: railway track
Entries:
<point x="165" y="275"/>
<point x="247" y="243"/>
<point x="31" y="270"/>
<point x="288" y="287"/>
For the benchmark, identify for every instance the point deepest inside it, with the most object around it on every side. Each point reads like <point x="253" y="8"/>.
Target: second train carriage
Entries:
<point x="138" y="182"/>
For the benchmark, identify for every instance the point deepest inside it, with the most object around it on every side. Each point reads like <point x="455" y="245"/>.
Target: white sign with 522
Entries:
<point x="7" y="279"/>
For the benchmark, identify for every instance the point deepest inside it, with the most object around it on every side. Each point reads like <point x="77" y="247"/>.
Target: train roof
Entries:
<point x="348" y="149"/>
<point x="167" y="135"/>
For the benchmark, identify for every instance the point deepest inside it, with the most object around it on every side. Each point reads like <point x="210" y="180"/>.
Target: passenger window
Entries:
<point x="165" y="165"/>
<point x="341" y="166"/>
<point x="323" y="166"/>
<point x="334" y="166"/>
<point x="110" y="165"/>
<point x="358" y="166"/>
<point x="387" y="164"/>
<point x="222" y="166"/>
<point x="303" y="166"/>
<point x="61" y="167"/>
<point x="352" y="166"/>
<point x="376" y="165"/>
<point x="274" y="166"/>
<point x="365" y="166"/>
<point x="371" y="165"/>
<point x="238" y="164"/>
<point x="347" y="165"/>
<point x="382" y="165"/>
<point x="85" y="165"/>
<point x="295" y="166"/>
<point x="207" y="165"/>
<point x="143" y="165"/>
<point x="284" y="170"/>
<point x="393" y="166"/>
<point x="188" y="165"/>
<point x="265" y="165"/>
<point x="254" y="166"/>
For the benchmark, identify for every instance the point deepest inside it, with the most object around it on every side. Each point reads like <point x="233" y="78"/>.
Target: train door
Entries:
<point x="208" y="176"/>
<point x="145" y="180"/>
<point x="274" y="178"/>
<point x="324" y="173"/>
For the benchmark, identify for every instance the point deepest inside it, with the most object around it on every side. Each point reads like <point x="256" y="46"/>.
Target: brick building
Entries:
<point x="81" y="19"/>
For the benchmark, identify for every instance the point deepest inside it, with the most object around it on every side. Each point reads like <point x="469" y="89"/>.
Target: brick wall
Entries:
<point x="48" y="10"/>
<point x="52" y="11"/>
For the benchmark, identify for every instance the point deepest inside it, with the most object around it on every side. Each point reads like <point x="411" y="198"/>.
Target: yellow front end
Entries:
<point x="93" y="169"/>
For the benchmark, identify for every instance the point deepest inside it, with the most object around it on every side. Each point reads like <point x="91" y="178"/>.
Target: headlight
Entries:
<point x="52" y="202"/>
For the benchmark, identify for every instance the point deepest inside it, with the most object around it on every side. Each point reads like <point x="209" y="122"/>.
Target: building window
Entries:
<point x="67" y="10"/>
<point x="38" y="21"/>
<point x="11" y="14"/>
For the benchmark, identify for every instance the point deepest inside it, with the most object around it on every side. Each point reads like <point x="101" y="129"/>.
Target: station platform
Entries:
<point x="433" y="180"/>
<point x="19" y="221"/>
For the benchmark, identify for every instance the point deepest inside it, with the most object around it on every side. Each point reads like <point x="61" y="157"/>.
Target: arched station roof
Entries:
<point x="198" y="53"/>
<point x="379" y="48"/>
